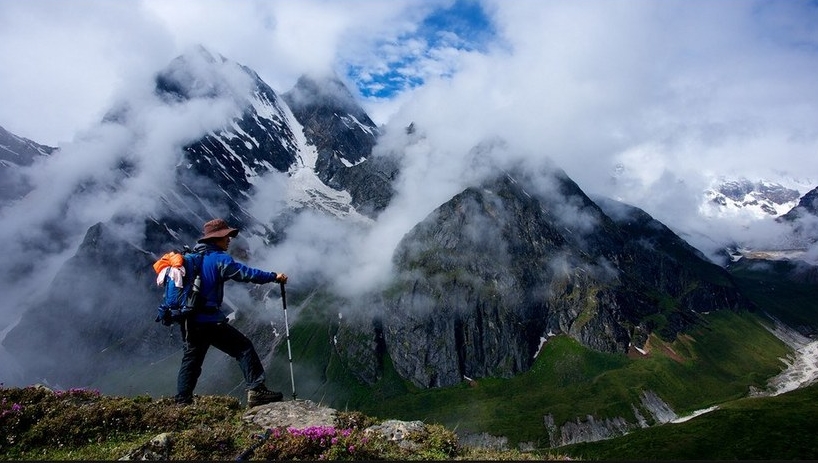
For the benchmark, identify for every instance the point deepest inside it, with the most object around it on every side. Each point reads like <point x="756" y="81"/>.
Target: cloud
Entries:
<point x="110" y="171"/>
<point x="64" y="61"/>
<point x="646" y="102"/>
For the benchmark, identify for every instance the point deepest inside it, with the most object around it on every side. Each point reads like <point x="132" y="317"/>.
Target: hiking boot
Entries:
<point x="183" y="401"/>
<point x="261" y="395"/>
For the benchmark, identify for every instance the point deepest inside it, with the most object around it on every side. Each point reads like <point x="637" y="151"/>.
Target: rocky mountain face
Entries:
<point x="16" y="152"/>
<point x="95" y="316"/>
<point x="492" y="272"/>
<point x="343" y="136"/>
<point x="807" y="205"/>
<point x="482" y="280"/>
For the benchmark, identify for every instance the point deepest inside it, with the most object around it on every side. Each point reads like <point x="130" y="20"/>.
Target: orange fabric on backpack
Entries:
<point x="171" y="259"/>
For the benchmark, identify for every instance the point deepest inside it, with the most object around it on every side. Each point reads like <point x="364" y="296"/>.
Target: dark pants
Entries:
<point x="227" y="339"/>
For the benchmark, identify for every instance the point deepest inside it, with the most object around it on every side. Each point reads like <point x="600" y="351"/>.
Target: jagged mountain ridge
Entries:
<point x="19" y="151"/>
<point x="499" y="267"/>
<point x="756" y="204"/>
<point x="344" y="136"/>
<point x="808" y="204"/>
<point x="267" y="137"/>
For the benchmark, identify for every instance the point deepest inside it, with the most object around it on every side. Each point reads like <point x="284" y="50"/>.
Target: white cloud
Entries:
<point x="63" y="61"/>
<point x="674" y="92"/>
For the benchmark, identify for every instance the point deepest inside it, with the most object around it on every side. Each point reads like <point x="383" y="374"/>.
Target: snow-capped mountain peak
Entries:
<point x="753" y="199"/>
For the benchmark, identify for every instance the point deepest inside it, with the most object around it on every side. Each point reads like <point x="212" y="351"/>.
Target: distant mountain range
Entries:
<point x="759" y="198"/>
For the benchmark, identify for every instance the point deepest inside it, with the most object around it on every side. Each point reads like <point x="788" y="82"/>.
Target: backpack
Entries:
<point x="182" y="282"/>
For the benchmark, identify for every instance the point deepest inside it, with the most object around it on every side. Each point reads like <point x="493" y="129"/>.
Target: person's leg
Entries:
<point x="232" y="342"/>
<point x="235" y="344"/>
<point x="192" y="360"/>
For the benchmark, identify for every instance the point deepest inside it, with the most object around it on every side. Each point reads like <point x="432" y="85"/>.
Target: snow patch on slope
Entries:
<point x="305" y="189"/>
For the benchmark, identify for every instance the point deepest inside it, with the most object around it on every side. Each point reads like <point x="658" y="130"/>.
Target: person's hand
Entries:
<point x="281" y="278"/>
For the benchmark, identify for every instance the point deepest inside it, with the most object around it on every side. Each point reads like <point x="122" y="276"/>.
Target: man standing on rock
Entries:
<point x="209" y="327"/>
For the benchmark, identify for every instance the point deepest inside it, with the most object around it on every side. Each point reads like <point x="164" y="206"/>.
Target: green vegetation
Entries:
<point x="725" y="355"/>
<point x="37" y="423"/>
<point x="770" y="428"/>
<point x="773" y="286"/>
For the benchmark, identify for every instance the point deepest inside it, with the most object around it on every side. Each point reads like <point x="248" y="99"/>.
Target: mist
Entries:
<point x="115" y="172"/>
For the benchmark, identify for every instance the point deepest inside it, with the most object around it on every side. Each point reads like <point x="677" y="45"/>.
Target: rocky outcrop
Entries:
<point x="593" y="429"/>
<point x="590" y="430"/>
<point x="156" y="449"/>
<point x="290" y="413"/>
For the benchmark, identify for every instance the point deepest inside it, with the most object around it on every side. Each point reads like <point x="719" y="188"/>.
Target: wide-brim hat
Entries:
<point x="217" y="228"/>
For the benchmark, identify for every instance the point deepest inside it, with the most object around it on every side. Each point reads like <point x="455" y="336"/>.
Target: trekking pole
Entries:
<point x="287" y="328"/>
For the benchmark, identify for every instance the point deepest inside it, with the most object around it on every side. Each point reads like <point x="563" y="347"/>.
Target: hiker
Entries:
<point x="208" y="326"/>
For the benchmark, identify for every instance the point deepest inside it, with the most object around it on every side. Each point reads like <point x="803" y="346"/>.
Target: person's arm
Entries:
<point x="237" y="271"/>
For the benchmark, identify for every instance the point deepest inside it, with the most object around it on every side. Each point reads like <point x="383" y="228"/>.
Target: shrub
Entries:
<point x="320" y="443"/>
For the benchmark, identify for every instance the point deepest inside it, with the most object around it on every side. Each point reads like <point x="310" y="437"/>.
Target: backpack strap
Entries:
<point x="195" y="299"/>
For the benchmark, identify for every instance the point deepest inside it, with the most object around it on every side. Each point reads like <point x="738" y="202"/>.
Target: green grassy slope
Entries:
<point x="771" y="428"/>
<point x="775" y="287"/>
<point x="781" y="428"/>
<point x="569" y="381"/>
<point x="715" y="363"/>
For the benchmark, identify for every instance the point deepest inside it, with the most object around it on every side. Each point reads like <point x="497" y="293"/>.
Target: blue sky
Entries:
<point x="462" y="26"/>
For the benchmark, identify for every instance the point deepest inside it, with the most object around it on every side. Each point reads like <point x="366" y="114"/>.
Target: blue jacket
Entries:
<point x="218" y="267"/>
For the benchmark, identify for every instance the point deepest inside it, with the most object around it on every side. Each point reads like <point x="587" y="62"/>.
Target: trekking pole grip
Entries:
<point x="283" y="296"/>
